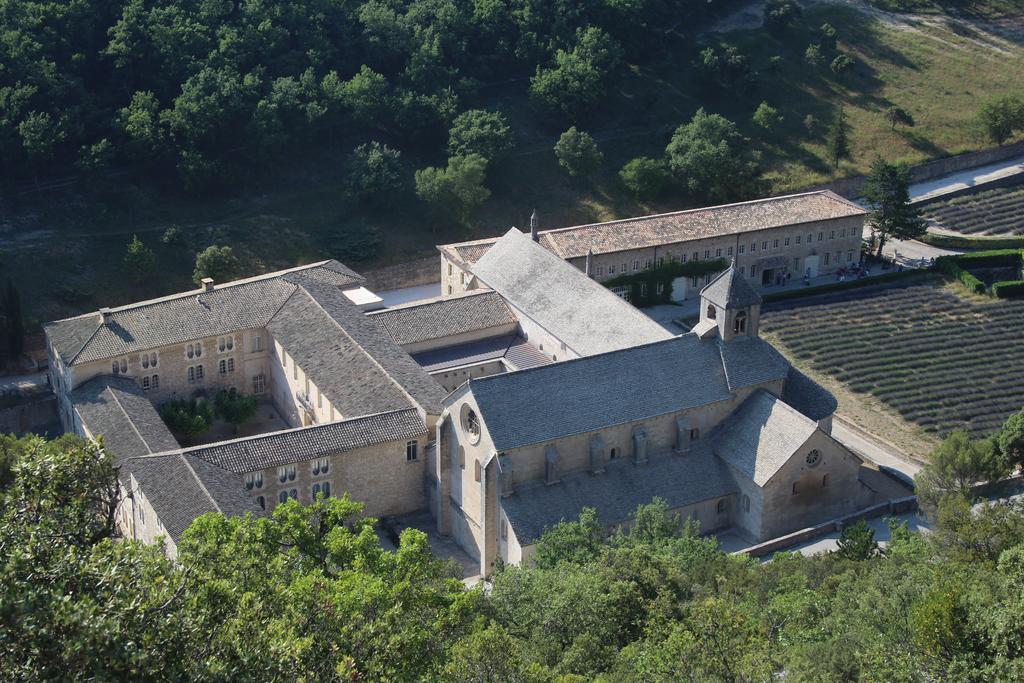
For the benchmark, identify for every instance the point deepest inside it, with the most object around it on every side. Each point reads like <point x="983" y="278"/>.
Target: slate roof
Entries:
<point x="349" y="328"/>
<point x="807" y="396"/>
<point x="583" y="314"/>
<point x="750" y="360"/>
<point x="518" y="352"/>
<point x="232" y="306"/>
<point x="421" y="322"/>
<point x="680" y="226"/>
<point x="307" y="443"/>
<point x="730" y="290"/>
<point x="680" y="480"/>
<point x="116" y="409"/>
<point x="761" y="436"/>
<point x="181" y="487"/>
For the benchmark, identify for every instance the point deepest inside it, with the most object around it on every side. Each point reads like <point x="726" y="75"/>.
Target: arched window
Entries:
<point x="711" y="312"/>
<point x="614" y="453"/>
<point x="721" y="506"/>
<point x="740" y="326"/>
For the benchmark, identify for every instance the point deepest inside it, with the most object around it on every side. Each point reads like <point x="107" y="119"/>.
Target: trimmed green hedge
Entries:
<point x="663" y="276"/>
<point x="954" y="267"/>
<point x="839" y="286"/>
<point x="1009" y="289"/>
<point x="964" y="242"/>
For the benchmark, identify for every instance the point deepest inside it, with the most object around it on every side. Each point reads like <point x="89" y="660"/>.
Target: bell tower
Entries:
<point x="731" y="304"/>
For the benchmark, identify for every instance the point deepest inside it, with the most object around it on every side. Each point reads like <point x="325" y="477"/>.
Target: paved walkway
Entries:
<point x="877" y="451"/>
<point x="970" y="177"/>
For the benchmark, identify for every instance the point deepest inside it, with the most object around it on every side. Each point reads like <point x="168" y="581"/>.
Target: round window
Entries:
<point x="813" y="458"/>
<point x="471" y="424"/>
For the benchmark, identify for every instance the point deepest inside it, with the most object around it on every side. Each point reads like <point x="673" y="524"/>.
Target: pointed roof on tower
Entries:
<point x="731" y="290"/>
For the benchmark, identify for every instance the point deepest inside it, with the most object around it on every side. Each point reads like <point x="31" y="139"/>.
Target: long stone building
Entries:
<point x="531" y="393"/>
<point x="812" y="234"/>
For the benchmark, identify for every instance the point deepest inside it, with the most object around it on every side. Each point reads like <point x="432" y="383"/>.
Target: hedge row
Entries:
<point x="950" y="267"/>
<point x="1009" y="289"/>
<point x="963" y="242"/>
<point x="954" y="267"/>
<point x="839" y="286"/>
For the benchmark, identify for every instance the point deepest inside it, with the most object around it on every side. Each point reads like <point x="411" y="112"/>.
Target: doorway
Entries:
<point x="767" y="275"/>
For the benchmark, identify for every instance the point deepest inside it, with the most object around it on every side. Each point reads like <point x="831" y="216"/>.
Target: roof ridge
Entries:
<point x="199" y="481"/>
<point x="81" y="348"/>
<point x="422" y="303"/>
<point x="128" y="418"/>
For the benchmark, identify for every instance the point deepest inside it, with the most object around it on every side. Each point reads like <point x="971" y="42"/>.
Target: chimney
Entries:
<point x="533" y="226"/>
<point x="590" y="257"/>
<point x="207" y="284"/>
<point x="106" y="313"/>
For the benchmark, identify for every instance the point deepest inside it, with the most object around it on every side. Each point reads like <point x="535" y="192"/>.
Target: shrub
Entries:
<point x="767" y="117"/>
<point x="234" y="407"/>
<point x="219" y="263"/>
<point x="646" y="178"/>
<point x="1009" y="289"/>
<point x="187" y="417"/>
<point x="482" y="132"/>
<point x="374" y="172"/>
<point x="578" y="153"/>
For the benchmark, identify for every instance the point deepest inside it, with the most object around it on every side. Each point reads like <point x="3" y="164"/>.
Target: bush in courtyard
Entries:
<point x="234" y="407"/>
<point x="187" y="417"/>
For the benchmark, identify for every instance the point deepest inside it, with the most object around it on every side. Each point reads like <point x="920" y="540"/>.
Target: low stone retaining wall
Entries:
<point x="1005" y="181"/>
<point x="36" y="416"/>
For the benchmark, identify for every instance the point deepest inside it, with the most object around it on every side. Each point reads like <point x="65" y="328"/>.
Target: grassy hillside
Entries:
<point x="65" y="240"/>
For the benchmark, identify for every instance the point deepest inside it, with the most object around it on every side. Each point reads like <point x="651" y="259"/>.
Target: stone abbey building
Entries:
<point x="503" y="407"/>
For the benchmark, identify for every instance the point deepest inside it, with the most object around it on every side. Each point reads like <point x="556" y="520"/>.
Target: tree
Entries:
<point x="217" y="262"/>
<point x="140" y="121"/>
<point x="812" y="55"/>
<point x="187" y="417"/>
<point x="955" y="466"/>
<point x="1001" y="117"/>
<point x="14" y="322"/>
<point x="767" y="117"/>
<point x="490" y="655"/>
<point x="711" y="158"/>
<point x="841" y="65"/>
<point x="838" y="137"/>
<point x="374" y="172"/>
<point x="578" y="153"/>
<point x="478" y="131"/>
<point x="575" y="542"/>
<point x="235" y="408"/>
<point x="857" y="542"/>
<point x="40" y="135"/>
<point x="887" y="193"/>
<point x="1010" y="439"/>
<point x="458" y="188"/>
<point x="646" y="178"/>
<point x="780" y="15"/>
<point x="828" y="35"/>
<point x="576" y="80"/>
<point x="139" y="260"/>
<point x="896" y="115"/>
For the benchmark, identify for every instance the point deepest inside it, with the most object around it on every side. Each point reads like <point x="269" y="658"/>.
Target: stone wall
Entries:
<point x="33" y="416"/>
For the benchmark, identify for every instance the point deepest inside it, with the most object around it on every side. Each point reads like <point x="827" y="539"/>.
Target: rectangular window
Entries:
<point x="753" y="246"/>
<point x="649" y="264"/>
<point x="259" y="384"/>
<point x="696" y="256"/>
<point x="743" y="248"/>
<point x="295" y="371"/>
<point x="764" y="245"/>
<point x="462" y="277"/>
<point x="707" y="254"/>
<point x="323" y="487"/>
<point x="257" y="343"/>
<point x="154" y="382"/>
<point x="729" y="253"/>
<point x="410" y="451"/>
<point x="684" y="257"/>
<point x="636" y="265"/>
<point x="145" y="383"/>
<point x="849" y="256"/>
<point x="821" y="236"/>
<point x="799" y="238"/>
<point x="643" y="289"/>
<point x="810" y="238"/>
<point x="832" y="235"/>
<point x="611" y="270"/>
<point x="718" y="253"/>
<point x="787" y="242"/>
<point x="319" y="398"/>
<point x="842" y="233"/>
<point x="695" y="282"/>
<point x="775" y="244"/>
<point x="504" y="529"/>
<point x="624" y="268"/>
<point x="826" y="258"/>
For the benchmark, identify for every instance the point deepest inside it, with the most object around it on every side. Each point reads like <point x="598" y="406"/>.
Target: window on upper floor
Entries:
<point x="476" y="470"/>
<point x="286" y="473"/>
<point x="411" y="449"/>
<point x="842" y="233"/>
<point x="262" y="502"/>
<point x="764" y="245"/>
<point x="649" y="264"/>
<point x="746" y="503"/>
<point x="775" y="244"/>
<point x="753" y="246"/>
<point x="195" y="374"/>
<point x="729" y="253"/>
<point x="226" y="366"/>
<point x="742" y="248"/>
<point x="282" y="497"/>
<point x="119" y="366"/>
<point x="694" y="434"/>
<point x="225" y="344"/>
<point x="707" y="254"/>
<point x="257" y="342"/>
<point x="787" y="242"/>
<point x="504" y="529"/>
<point x="799" y="238"/>
<point x="696" y="256"/>
<point x="636" y="266"/>
<point x="148" y="360"/>
<point x="821" y="236"/>
<point x="624" y="268"/>
<point x="194" y="350"/>
<point x="253" y="480"/>
<point x="611" y="269"/>
<point x="321" y="466"/>
<point x="718" y="252"/>
<point x="832" y="234"/>
<point x="154" y="382"/>
<point x="810" y="238"/>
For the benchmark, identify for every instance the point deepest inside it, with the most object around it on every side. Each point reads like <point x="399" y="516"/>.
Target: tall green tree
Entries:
<point x="837" y="139"/>
<point x="577" y="153"/>
<point x="955" y="466"/>
<point x="458" y="188"/>
<point x="1010" y="439"/>
<point x="711" y="158"/>
<point x="217" y="262"/>
<point x="374" y="173"/>
<point x="1002" y="117"/>
<point x="139" y="260"/>
<point x="887" y="194"/>
<point x="898" y="116"/>
<point x="478" y="131"/>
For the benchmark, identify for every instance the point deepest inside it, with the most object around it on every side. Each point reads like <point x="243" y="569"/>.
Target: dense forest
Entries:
<point x="210" y="88"/>
<point x="310" y="594"/>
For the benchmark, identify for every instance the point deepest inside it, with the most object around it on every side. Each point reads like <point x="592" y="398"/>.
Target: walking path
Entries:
<point x="970" y="177"/>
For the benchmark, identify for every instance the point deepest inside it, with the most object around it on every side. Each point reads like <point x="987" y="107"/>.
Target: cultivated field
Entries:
<point x="996" y="212"/>
<point x="940" y="360"/>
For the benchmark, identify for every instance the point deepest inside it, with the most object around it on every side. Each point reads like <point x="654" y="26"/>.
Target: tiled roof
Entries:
<point x="586" y="394"/>
<point x="807" y="396"/>
<point x="181" y="487"/>
<point x="306" y="443"/>
<point x="680" y="226"/>
<point x="730" y="290"/>
<point x="575" y="309"/>
<point x="345" y="373"/>
<point x="230" y="307"/>
<point x="403" y="371"/>
<point x="116" y="409"/>
<point x="420" y="322"/>
<point x="616" y="494"/>
<point x="761" y="436"/>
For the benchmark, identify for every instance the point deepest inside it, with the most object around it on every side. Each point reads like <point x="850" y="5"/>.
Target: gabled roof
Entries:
<point x="350" y="334"/>
<point x="518" y="353"/>
<point x="616" y="494"/>
<point x="807" y="396"/>
<point x="181" y="487"/>
<point x="679" y="226"/>
<point x="730" y="290"/>
<point x="116" y="409"/>
<point x="264" y="451"/>
<point x="229" y="307"/>
<point x="761" y="436"/>
<point x="575" y="309"/>
<point x="426" y="321"/>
